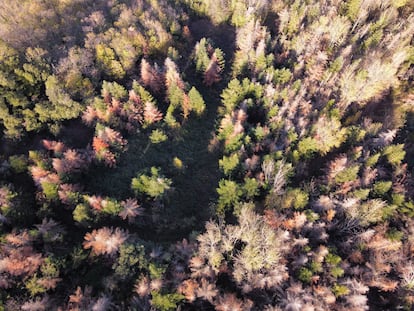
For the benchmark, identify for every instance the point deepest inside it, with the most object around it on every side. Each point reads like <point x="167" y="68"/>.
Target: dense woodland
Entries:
<point x="206" y="155"/>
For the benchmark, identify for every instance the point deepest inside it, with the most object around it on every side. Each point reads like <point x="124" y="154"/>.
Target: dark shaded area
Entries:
<point x="223" y="35"/>
<point x="75" y="134"/>
<point x="187" y="207"/>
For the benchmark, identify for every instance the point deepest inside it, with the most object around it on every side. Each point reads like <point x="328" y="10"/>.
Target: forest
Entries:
<point x="229" y="155"/>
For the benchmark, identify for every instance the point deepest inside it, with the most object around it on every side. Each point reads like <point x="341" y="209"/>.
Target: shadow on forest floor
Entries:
<point x="188" y="205"/>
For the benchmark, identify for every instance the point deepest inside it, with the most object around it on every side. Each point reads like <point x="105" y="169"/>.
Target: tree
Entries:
<point x="229" y="194"/>
<point x="196" y="101"/>
<point x="229" y="164"/>
<point x="394" y="154"/>
<point x="130" y="209"/>
<point x="154" y="185"/>
<point x="201" y="56"/>
<point x="106" y="58"/>
<point x="166" y="302"/>
<point x="151" y="77"/>
<point x="105" y="240"/>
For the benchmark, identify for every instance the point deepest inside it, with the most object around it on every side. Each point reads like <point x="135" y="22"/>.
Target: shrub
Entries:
<point x="178" y="163"/>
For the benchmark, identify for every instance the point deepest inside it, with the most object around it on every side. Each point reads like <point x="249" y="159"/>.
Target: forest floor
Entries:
<point x="189" y="204"/>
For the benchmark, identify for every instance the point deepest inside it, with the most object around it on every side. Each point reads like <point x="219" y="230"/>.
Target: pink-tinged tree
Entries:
<point x="105" y="240"/>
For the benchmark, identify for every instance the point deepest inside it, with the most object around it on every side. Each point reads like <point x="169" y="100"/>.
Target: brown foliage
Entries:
<point x="212" y="73"/>
<point x="99" y="144"/>
<point x="151" y="113"/>
<point x="20" y="261"/>
<point x="151" y="77"/>
<point x="229" y="302"/>
<point x="105" y="240"/>
<point x="55" y="146"/>
<point x="130" y="209"/>
<point x="188" y="288"/>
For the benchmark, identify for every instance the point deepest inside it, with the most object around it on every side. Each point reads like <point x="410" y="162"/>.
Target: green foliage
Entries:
<point x="50" y="268"/>
<point x="394" y="154"/>
<point x="18" y="163"/>
<point x="154" y="185"/>
<point x="175" y="96"/>
<point x="333" y="259"/>
<point x="157" y="136"/>
<point x="229" y="194"/>
<point x="408" y="209"/>
<point x="106" y="58"/>
<point x="305" y="275"/>
<point x="399" y="3"/>
<point x="111" y="206"/>
<point x="316" y="267"/>
<point x="156" y="271"/>
<point x="398" y="199"/>
<point x="50" y="190"/>
<point x="355" y="134"/>
<point x="382" y="187"/>
<point x="348" y="174"/>
<point x="361" y="194"/>
<point x="250" y="188"/>
<point x="340" y="290"/>
<point x="336" y="65"/>
<point x="139" y="89"/>
<point x="372" y="160"/>
<point x="307" y="147"/>
<point x="7" y="199"/>
<point x="295" y="198"/>
<point x="239" y="17"/>
<point x="352" y="9"/>
<point x="311" y="216"/>
<point x="229" y="163"/>
<point x="326" y="88"/>
<point x="234" y="143"/>
<point x="116" y="90"/>
<point x="166" y="302"/>
<point x="337" y="272"/>
<point x="131" y="259"/>
<point x="232" y="95"/>
<point x="201" y="57"/>
<point x="178" y="163"/>
<point x="82" y="213"/>
<point x="34" y="287"/>
<point x="394" y="234"/>
<point x="196" y="101"/>
<point x="59" y="107"/>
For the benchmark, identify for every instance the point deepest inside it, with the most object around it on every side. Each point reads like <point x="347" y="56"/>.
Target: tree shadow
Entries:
<point x="188" y="206"/>
<point x="223" y="35"/>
